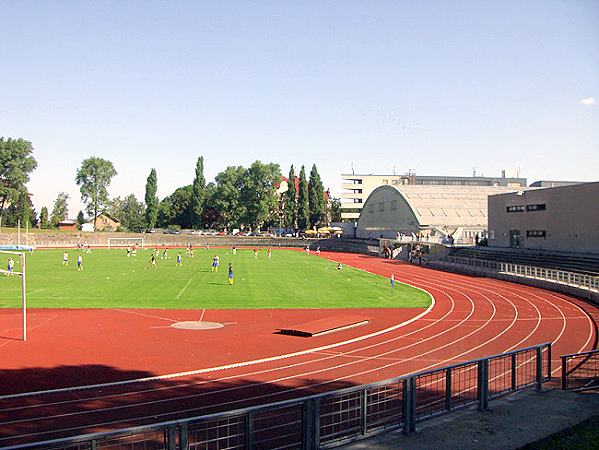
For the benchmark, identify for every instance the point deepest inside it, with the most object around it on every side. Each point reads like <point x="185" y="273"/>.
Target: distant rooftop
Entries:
<point x="553" y="183"/>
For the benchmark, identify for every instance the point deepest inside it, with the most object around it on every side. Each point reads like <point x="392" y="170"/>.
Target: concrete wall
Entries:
<point x="570" y="218"/>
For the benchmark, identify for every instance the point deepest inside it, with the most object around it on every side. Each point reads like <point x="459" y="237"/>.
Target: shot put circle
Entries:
<point x="195" y="325"/>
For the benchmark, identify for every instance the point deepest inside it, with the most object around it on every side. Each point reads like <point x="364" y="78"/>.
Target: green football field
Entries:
<point x="110" y="279"/>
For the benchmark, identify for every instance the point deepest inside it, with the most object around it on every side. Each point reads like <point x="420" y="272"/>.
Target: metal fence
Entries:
<point x="338" y="417"/>
<point x="578" y="280"/>
<point x="580" y="371"/>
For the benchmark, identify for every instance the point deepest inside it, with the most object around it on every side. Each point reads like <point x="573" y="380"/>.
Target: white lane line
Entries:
<point x="183" y="290"/>
<point x="143" y="314"/>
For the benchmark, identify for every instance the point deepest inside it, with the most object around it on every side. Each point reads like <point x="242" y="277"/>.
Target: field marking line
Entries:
<point x="203" y="312"/>
<point x="142" y="314"/>
<point x="183" y="290"/>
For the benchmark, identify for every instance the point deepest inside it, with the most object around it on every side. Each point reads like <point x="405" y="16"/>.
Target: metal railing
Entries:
<point x="579" y="280"/>
<point x="335" y="418"/>
<point x="580" y="371"/>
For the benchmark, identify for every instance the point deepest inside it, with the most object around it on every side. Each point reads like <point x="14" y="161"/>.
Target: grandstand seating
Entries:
<point x="582" y="263"/>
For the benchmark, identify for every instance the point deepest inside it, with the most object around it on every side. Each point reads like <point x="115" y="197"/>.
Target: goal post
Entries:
<point x="125" y="242"/>
<point x="9" y="271"/>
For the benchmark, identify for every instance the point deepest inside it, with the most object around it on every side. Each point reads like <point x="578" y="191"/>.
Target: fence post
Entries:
<point x="171" y="438"/>
<point x="249" y="430"/>
<point x="311" y="423"/>
<point x="184" y="436"/>
<point x="539" y="369"/>
<point x="448" y="389"/>
<point x="409" y="406"/>
<point x="514" y="381"/>
<point x="483" y="384"/>
<point x="549" y="362"/>
<point x="564" y="374"/>
<point x="363" y="412"/>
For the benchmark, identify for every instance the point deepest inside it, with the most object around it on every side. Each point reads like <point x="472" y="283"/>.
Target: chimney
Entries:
<point x="503" y="173"/>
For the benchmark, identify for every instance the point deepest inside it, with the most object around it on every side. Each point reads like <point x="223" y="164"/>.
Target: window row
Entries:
<point x="536" y="233"/>
<point x="520" y="208"/>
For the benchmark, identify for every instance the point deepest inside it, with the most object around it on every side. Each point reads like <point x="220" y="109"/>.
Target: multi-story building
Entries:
<point x="357" y="188"/>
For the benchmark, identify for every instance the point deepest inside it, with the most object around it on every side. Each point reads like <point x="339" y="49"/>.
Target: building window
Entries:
<point x="393" y="205"/>
<point x="385" y="181"/>
<point x="539" y="207"/>
<point x="381" y="207"/>
<point x="514" y="208"/>
<point x="536" y="233"/>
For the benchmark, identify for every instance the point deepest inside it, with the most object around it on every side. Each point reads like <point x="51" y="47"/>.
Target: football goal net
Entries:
<point x="125" y="242"/>
<point x="15" y="267"/>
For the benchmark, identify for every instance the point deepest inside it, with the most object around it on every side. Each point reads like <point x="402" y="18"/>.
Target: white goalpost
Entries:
<point x="125" y="242"/>
<point x="7" y="272"/>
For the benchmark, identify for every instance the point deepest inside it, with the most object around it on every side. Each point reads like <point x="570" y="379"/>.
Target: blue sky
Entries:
<point x="436" y="87"/>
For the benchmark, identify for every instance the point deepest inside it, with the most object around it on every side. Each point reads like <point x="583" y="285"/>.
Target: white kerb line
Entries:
<point x="202" y="316"/>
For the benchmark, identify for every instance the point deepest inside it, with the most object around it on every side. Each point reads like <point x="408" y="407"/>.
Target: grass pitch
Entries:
<point x="290" y="279"/>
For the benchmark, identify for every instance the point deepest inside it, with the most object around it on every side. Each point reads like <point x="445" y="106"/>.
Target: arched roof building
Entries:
<point x="432" y="210"/>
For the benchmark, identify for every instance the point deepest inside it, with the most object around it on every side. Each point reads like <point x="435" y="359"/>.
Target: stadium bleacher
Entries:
<point x="584" y="263"/>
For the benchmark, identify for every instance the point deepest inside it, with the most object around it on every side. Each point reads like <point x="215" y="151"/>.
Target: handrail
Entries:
<point x="422" y="395"/>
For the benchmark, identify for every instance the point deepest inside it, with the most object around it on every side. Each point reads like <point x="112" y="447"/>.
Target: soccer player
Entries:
<point x="79" y="263"/>
<point x="153" y="260"/>
<point x="230" y="276"/>
<point x="11" y="266"/>
<point x="339" y="266"/>
<point x="234" y="249"/>
<point x="190" y="251"/>
<point x="308" y="249"/>
<point x="215" y="263"/>
<point x="318" y="250"/>
<point x="255" y="252"/>
<point x="164" y="254"/>
<point x="65" y="259"/>
<point x="128" y="251"/>
<point x="179" y="262"/>
<point x="269" y="253"/>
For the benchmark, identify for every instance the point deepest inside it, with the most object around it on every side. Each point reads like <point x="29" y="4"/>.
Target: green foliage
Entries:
<point x="335" y="209"/>
<point x="303" y="206"/>
<point x="20" y="210"/>
<point x="198" y="196"/>
<point x="133" y="214"/>
<point x="227" y="196"/>
<point x="210" y="215"/>
<point x="16" y="163"/>
<point x="151" y="199"/>
<point x="174" y="209"/>
<point x="111" y="280"/>
<point x="80" y="218"/>
<point x="93" y="178"/>
<point x="61" y="209"/>
<point x="291" y="201"/>
<point x="258" y="194"/>
<point x="316" y="198"/>
<point x="44" y="218"/>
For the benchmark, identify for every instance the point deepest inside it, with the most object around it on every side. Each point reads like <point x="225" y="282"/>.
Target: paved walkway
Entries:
<point x="512" y="422"/>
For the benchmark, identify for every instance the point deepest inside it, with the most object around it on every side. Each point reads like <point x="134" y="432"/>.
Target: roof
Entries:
<point x="448" y="205"/>
<point x="114" y="219"/>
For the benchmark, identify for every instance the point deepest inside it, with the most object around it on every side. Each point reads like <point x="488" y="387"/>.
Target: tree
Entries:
<point x="291" y="201"/>
<point x="133" y="214"/>
<point x="210" y="215"/>
<point x="61" y="209"/>
<point x="93" y="177"/>
<point x="151" y="199"/>
<point x="335" y="209"/>
<point x="198" y="195"/>
<point x="259" y="192"/>
<point x="114" y="208"/>
<point x="174" y="209"/>
<point x="316" y="197"/>
<point x="303" y="206"/>
<point x="227" y="196"/>
<point x="16" y="163"/>
<point x="44" y="219"/>
<point x="80" y="218"/>
<point x="20" y="210"/>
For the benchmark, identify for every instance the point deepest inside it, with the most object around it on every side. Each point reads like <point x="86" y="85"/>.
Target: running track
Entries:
<point x="471" y="317"/>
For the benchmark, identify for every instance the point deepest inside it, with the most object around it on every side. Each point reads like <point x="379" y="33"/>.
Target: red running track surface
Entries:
<point x="246" y="363"/>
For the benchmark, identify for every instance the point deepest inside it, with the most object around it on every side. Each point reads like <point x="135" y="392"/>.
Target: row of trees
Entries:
<point x="239" y="197"/>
